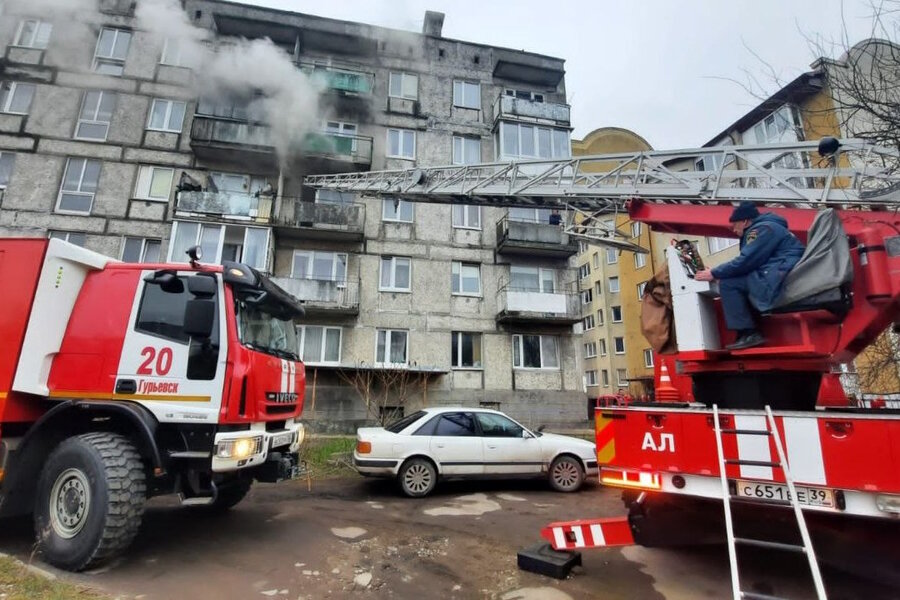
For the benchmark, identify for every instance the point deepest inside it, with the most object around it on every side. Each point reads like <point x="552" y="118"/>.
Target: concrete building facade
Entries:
<point x="108" y="140"/>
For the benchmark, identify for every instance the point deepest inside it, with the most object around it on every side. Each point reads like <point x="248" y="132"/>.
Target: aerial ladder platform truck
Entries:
<point x="120" y="382"/>
<point x="765" y="433"/>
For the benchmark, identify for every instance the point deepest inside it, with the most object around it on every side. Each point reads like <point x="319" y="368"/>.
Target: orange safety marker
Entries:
<point x="591" y="533"/>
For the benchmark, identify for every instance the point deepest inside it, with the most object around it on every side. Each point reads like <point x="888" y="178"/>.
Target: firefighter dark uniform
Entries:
<point x="756" y="276"/>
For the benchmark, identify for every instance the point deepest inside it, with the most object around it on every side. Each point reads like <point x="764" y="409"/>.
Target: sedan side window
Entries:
<point x="456" y="424"/>
<point x="498" y="426"/>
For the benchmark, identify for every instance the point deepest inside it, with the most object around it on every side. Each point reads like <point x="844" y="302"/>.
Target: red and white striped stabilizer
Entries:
<point x="593" y="533"/>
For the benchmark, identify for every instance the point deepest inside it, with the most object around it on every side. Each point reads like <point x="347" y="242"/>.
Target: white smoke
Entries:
<point x="73" y="38"/>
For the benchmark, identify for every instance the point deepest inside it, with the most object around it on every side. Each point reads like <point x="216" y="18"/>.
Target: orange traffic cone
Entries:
<point x="665" y="391"/>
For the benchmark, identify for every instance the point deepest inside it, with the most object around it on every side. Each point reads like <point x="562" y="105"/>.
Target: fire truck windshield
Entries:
<point x="262" y="331"/>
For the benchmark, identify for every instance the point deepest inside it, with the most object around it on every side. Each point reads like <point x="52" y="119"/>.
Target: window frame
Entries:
<point x="339" y="279"/>
<point x="400" y="202"/>
<point x="612" y="313"/>
<point x="459" y="278"/>
<point x="590" y="350"/>
<point x="620" y="382"/>
<point x="463" y="85"/>
<point x="601" y="345"/>
<point x="504" y="130"/>
<point x="648" y="353"/>
<point x="92" y="195"/>
<point x="17" y="43"/>
<point x="640" y="290"/>
<point x="403" y="75"/>
<point x="720" y="243"/>
<point x="456" y="361"/>
<point x="56" y="234"/>
<point x="616" y="340"/>
<point x="588" y="322"/>
<point x="520" y="337"/>
<point x="612" y="256"/>
<point x="141" y="179"/>
<point x="635" y="229"/>
<point x="460" y="159"/>
<point x="14" y="86"/>
<point x="168" y="116"/>
<point x="301" y="341"/>
<point x="617" y="286"/>
<point x="590" y="378"/>
<point x="600" y="320"/>
<point x="389" y="334"/>
<point x="103" y="94"/>
<point x="111" y="60"/>
<point x="640" y="260"/>
<point x="541" y="275"/>
<point x="604" y="377"/>
<point x="463" y="209"/>
<point x="143" y="251"/>
<point x="587" y="296"/>
<point x="166" y="60"/>
<point x="401" y="146"/>
<point x="392" y="288"/>
<point x="12" y="166"/>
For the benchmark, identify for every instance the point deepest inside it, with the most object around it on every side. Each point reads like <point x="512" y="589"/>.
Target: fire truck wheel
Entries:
<point x="566" y="474"/>
<point x="90" y="500"/>
<point x="231" y="495"/>
<point x="417" y="477"/>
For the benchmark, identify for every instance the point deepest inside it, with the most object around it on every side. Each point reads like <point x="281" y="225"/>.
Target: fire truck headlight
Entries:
<point x="888" y="504"/>
<point x="239" y="448"/>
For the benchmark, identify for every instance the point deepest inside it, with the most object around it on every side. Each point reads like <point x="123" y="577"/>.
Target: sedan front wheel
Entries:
<point x="417" y="477"/>
<point x="566" y="474"/>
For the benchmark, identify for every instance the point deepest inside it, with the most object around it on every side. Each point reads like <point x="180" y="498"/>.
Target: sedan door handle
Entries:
<point x="492" y="447"/>
<point x="439" y="445"/>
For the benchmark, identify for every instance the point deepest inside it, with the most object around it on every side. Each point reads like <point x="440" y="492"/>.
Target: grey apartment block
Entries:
<point x="107" y="140"/>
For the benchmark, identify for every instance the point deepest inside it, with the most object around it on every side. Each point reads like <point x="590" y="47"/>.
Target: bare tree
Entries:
<point x="385" y="391"/>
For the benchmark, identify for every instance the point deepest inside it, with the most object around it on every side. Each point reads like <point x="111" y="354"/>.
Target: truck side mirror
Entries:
<point x="199" y="315"/>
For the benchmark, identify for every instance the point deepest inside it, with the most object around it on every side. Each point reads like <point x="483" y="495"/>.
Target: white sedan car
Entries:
<point x="469" y="442"/>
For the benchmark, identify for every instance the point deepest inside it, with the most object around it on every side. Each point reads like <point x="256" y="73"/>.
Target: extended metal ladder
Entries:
<point x="771" y="431"/>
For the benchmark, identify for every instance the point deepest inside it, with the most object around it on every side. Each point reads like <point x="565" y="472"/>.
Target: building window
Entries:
<point x="518" y="140"/>
<point x="401" y="143"/>
<point x="394" y="274"/>
<point x="467" y="94"/>
<point x="141" y="250"/>
<point x="333" y="197"/>
<point x="394" y="209"/>
<point x="466" y="150"/>
<point x="604" y="378"/>
<point x="391" y="347"/>
<point x="595" y="260"/>
<point x="321" y="266"/>
<point x="33" y="33"/>
<point x="584" y="271"/>
<point x="320" y="345"/>
<point x="154" y="183"/>
<point x="76" y="195"/>
<point x="582" y="247"/>
<point x="602" y="345"/>
<point x="636" y="229"/>
<point x="640" y="289"/>
<point x="588" y="322"/>
<point x="619" y="345"/>
<point x="590" y="350"/>
<point x="466" y="216"/>
<point x="112" y="49"/>
<point x="598" y="288"/>
<point x="590" y="378"/>
<point x="640" y="260"/>
<point x="16" y="97"/>
<point x="465" y="350"/>
<point x="529" y="215"/>
<point x="535" y="352"/>
<point x="532" y="279"/>
<point x="616" y="313"/>
<point x="249" y="245"/>
<point x="600" y="316"/>
<point x="465" y="278"/>
<point x="525" y="95"/>
<point x="621" y="378"/>
<point x="404" y="85"/>
<point x="587" y="297"/>
<point x="648" y="358"/>
<point x="227" y="108"/>
<point x="7" y="162"/>
<point x="73" y="237"/>
<point x="614" y="285"/>
<point x="612" y="256"/>
<point x="95" y="115"/>
<point x="173" y="54"/>
<point x="717" y="244"/>
<point x="166" y="115"/>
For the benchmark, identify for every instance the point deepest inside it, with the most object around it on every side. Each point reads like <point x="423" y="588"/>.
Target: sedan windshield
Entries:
<point x="264" y="332"/>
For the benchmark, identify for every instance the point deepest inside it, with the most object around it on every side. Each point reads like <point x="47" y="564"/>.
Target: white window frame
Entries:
<point x="401" y="145"/>
<point x="459" y="150"/>
<point x="178" y="60"/>
<point x="648" y="358"/>
<point x="598" y="289"/>
<point x="612" y="314"/>
<point x="640" y="290"/>
<point x="144" y="183"/>
<point x="590" y="378"/>
<point x="615" y="349"/>
<point x="111" y="60"/>
<point x="55" y="234"/>
<point x="507" y="127"/>
<point x="600" y="320"/>
<point x="145" y="242"/>
<point x="389" y="333"/>
<point x="612" y="256"/>
<point x="38" y="24"/>
<point x="400" y="203"/>
<point x="393" y="262"/>
<point x="403" y="75"/>
<point x="458" y="358"/>
<point x="620" y="382"/>
<point x="590" y="350"/>
<point x="339" y="278"/>
<point x="601" y="344"/>
<point x="461" y="216"/>
<point x="588" y="322"/>
<point x="541" y="275"/>
<point x="640" y="260"/>
<point x="301" y="341"/>
<point x="459" y="265"/>
<point x="595" y="260"/>
<point x="604" y="377"/>
<point x="587" y="296"/>
<point x="717" y="244"/>
<point x="584" y="271"/>
<point x="92" y="195"/>
<point x="14" y="86"/>
<point x="461" y="89"/>
<point x="636" y="229"/>
<point x="11" y="168"/>
<point x="220" y="243"/>
<point x="517" y="339"/>
<point x="166" y="126"/>
<point x="614" y="289"/>
<point x="103" y="95"/>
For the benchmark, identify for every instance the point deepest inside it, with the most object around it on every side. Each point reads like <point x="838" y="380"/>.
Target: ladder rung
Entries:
<point x="757" y="596"/>
<point x="770" y="545"/>
<point x="772" y="501"/>
<point x="751" y="463"/>
<point x="747" y="431"/>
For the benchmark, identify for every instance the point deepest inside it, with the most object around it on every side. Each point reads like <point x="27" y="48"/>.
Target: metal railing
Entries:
<point x="226" y="204"/>
<point x="338" y="294"/>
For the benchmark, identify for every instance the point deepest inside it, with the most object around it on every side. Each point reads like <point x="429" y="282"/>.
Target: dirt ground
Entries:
<point x="353" y="537"/>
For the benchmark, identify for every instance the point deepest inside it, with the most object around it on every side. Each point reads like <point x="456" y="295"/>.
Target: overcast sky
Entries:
<point x="656" y="67"/>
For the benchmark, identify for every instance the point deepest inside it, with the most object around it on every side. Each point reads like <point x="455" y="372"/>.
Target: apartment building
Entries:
<point x="110" y="140"/>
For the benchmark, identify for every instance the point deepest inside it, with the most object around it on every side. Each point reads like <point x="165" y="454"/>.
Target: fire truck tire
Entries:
<point x="566" y="474"/>
<point x="230" y="496"/>
<point x="417" y="477"/>
<point x="90" y="500"/>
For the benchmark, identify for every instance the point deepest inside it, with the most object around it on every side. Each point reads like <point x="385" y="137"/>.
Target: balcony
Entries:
<point x="217" y="139"/>
<point x="532" y="307"/>
<point x="323" y="297"/>
<point x="519" y="109"/>
<point x="337" y="152"/>
<point x="532" y="238"/>
<point x="344" y="222"/>
<point x="341" y="81"/>
<point x="225" y="205"/>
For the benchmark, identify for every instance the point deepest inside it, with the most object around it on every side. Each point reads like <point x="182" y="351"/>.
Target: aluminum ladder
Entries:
<point x="806" y="548"/>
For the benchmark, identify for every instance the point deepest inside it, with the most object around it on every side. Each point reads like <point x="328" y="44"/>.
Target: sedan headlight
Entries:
<point x="239" y="448"/>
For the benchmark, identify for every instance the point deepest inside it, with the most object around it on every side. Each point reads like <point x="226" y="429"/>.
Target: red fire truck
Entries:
<point x="119" y="382"/>
<point x="763" y="429"/>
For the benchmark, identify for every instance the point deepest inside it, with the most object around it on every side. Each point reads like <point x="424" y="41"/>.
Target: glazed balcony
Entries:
<point x="222" y="139"/>
<point x="341" y="81"/>
<point x="524" y="306"/>
<point x="225" y="205"/>
<point x="339" y="222"/>
<point x="520" y="109"/>
<point x="533" y="238"/>
<point x="337" y="152"/>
